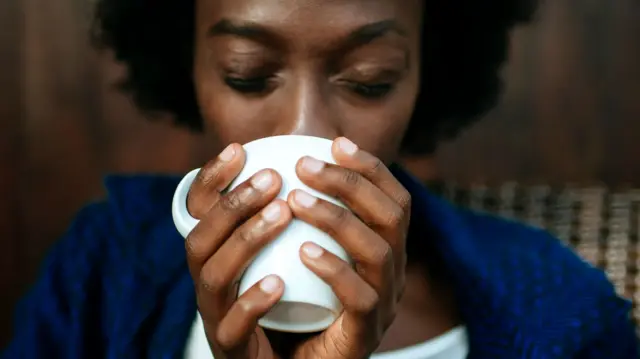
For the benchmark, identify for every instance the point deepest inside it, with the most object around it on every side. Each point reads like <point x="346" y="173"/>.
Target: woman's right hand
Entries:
<point x="233" y="228"/>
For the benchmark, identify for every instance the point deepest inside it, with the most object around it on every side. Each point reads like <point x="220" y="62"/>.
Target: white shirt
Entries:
<point x="451" y="345"/>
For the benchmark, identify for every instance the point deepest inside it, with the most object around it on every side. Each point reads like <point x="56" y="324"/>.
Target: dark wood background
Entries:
<point x="571" y="113"/>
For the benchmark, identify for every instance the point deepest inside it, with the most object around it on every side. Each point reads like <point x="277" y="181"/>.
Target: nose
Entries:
<point x="308" y="111"/>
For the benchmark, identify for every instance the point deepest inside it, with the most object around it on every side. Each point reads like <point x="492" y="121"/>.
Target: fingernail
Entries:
<point x="270" y="284"/>
<point x="262" y="181"/>
<point x="227" y="154"/>
<point x="312" y="250"/>
<point x="271" y="213"/>
<point x="304" y="199"/>
<point x="312" y="165"/>
<point x="347" y="146"/>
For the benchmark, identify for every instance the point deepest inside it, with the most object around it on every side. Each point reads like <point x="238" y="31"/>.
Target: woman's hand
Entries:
<point x="232" y="230"/>
<point x="373" y="235"/>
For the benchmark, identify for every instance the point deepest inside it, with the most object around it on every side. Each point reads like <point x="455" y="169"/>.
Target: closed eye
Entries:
<point x="254" y="85"/>
<point x="370" y="91"/>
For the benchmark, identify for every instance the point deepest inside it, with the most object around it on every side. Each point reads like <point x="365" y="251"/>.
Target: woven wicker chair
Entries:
<point x="599" y="224"/>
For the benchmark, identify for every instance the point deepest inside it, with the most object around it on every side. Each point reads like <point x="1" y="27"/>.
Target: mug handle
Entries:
<point x="183" y="221"/>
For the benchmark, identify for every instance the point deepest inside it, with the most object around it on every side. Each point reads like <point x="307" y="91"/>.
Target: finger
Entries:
<point x="366" y="200"/>
<point x="223" y="270"/>
<point x="364" y="307"/>
<point x="347" y="154"/>
<point x="359" y="299"/>
<point x="227" y="213"/>
<point x="215" y="176"/>
<point x="372" y="254"/>
<point x="237" y="327"/>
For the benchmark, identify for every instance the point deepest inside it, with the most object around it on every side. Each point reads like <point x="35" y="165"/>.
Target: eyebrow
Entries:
<point x="257" y="32"/>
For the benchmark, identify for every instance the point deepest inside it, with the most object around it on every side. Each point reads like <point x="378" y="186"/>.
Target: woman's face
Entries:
<point x="324" y="68"/>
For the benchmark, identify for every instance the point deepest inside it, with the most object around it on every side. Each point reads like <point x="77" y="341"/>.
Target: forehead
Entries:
<point x="311" y="17"/>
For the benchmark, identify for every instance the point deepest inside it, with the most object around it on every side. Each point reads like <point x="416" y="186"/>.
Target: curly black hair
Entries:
<point x="465" y="42"/>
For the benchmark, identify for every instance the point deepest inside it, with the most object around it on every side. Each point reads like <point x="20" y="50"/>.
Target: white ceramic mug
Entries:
<point x="308" y="304"/>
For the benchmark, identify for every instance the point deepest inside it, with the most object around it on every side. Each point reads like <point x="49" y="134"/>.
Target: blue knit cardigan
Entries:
<point x="117" y="286"/>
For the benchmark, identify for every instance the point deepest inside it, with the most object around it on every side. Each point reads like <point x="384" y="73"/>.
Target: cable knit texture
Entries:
<point x="117" y="286"/>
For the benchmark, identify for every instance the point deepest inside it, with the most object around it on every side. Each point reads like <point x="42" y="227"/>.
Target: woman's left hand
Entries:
<point x="373" y="233"/>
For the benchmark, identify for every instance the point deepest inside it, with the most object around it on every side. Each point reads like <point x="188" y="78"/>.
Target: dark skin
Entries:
<point x="336" y="69"/>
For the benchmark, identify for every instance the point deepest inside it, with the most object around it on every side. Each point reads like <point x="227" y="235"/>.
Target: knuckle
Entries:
<point x="242" y="242"/>
<point x="340" y="216"/>
<point x="340" y="348"/>
<point x="212" y="281"/>
<point x="197" y="244"/>
<point x="246" y="308"/>
<point x="351" y="178"/>
<point x="224" y="339"/>
<point x="231" y="202"/>
<point x="201" y="177"/>
<point x="367" y="302"/>
<point x="375" y="167"/>
<point x="404" y="201"/>
<point x="191" y="245"/>
<point x="336" y="219"/>
<point x="244" y="236"/>
<point x="207" y="173"/>
<point x="381" y="255"/>
<point x="395" y="217"/>
<point x="195" y="206"/>
<point x="339" y="219"/>
<point x="339" y="270"/>
<point x="198" y="202"/>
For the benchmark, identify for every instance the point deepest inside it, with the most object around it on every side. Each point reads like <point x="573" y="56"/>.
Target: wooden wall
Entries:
<point x="571" y="114"/>
<point x="10" y="143"/>
<point x="572" y="108"/>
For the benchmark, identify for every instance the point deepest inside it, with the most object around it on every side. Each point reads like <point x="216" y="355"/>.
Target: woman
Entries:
<point x="382" y="77"/>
